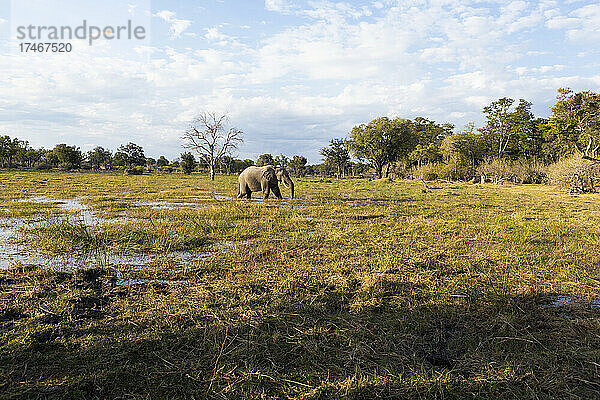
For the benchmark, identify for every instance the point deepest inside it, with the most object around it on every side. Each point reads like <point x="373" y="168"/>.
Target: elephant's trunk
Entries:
<point x="289" y="184"/>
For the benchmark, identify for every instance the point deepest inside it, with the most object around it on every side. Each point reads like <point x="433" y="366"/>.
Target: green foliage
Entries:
<point x="137" y="170"/>
<point x="511" y="131"/>
<point x="188" y="162"/>
<point x="281" y="161"/>
<point x="162" y="162"/>
<point x="240" y="165"/>
<point x="575" y="122"/>
<point x="465" y="149"/>
<point x="449" y="171"/>
<point x="429" y="136"/>
<point x="99" y="157"/>
<point x="298" y="165"/>
<point x="67" y="156"/>
<point x="337" y="155"/>
<point x="265" y="159"/>
<point x="130" y="155"/>
<point x="382" y="142"/>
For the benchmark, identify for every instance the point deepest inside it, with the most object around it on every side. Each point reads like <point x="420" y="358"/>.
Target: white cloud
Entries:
<point x="293" y="89"/>
<point x="562" y="22"/>
<point x="3" y="21"/>
<point x="282" y="6"/>
<point x="177" y="26"/>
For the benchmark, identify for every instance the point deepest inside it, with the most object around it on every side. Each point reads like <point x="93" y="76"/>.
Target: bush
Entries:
<point x="498" y="171"/>
<point x="449" y="171"/>
<point x="574" y="174"/>
<point x="134" y="171"/>
<point x="43" y="167"/>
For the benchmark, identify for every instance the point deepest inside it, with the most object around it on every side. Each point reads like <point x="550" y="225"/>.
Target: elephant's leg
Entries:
<point x="245" y="191"/>
<point x="241" y="191"/>
<point x="277" y="192"/>
<point x="266" y="191"/>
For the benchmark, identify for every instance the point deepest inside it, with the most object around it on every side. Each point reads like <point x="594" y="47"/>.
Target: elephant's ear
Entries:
<point x="280" y="173"/>
<point x="269" y="174"/>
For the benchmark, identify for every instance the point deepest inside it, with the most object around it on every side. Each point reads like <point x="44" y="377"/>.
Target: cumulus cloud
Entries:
<point x="177" y="26"/>
<point x="282" y="6"/>
<point x="299" y="85"/>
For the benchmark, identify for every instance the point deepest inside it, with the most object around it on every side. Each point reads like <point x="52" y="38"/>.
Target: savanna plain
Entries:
<point x="166" y="286"/>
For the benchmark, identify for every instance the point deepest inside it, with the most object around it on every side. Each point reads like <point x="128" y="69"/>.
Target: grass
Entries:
<point x="360" y="290"/>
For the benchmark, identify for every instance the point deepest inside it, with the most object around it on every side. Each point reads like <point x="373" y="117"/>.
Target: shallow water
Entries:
<point x="562" y="300"/>
<point x="11" y="252"/>
<point x="82" y="212"/>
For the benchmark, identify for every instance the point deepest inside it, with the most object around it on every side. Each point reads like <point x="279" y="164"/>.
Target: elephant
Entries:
<point x="265" y="179"/>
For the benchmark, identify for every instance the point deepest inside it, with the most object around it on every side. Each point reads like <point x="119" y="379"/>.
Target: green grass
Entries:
<point x="360" y="290"/>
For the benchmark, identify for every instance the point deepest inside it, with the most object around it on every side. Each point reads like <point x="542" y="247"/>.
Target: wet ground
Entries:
<point x="13" y="251"/>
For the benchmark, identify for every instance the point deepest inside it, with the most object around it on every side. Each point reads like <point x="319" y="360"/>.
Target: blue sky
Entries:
<point x="291" y="74"/>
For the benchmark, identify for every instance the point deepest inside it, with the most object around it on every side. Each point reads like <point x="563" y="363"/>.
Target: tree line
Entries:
<point x="382" y="146"/>
<point x="511" y="133"/>
<point x="130" y="157"/>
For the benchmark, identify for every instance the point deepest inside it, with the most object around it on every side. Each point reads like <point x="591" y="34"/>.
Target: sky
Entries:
<point x="290" y="74"/>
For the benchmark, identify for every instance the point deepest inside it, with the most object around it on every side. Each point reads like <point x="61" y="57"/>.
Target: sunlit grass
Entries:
<point x="356" y="290"/>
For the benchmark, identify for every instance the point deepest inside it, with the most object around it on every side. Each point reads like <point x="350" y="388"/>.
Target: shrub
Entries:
<point x="134" y="171"/>
<point x="448" y="171"/>
<point x="498" y="171"/>
<point x="574" y="174"/>
<point x="43" y="167"/>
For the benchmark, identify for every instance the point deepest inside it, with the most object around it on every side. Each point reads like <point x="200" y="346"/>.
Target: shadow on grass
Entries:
<point x="319" y="346"/>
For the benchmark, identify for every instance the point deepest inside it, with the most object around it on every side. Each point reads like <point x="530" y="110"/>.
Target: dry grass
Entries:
<point x="361" y="290"/>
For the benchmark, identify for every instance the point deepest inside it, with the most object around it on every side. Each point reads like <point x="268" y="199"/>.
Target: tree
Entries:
<point x="382" y="142"/>
<point x="99" y="157"/>
<point x="575" y="121"/>
<point x="467" y="148"/>
<point x="209" y="137"/>
<point x="336" y="155"/>
<point x="120" y="159"/>
<point x="429" y="137"/>
<point x="188" y="162"/>
<point x="68" y="156"/>
<point x="265" y="159"/>
<point x="33" y="156"/>
<point x="8" y="150"/>
<point x="227" y="162"/>
<point x="298" y="165"/>
<point x="50" y="158"/>
<point x="131" y="155"/>
<point x="162" y="162"/>
<point x="281" y="161"/>
<point x="245" y="164"/>
<point x="509" y="129"/>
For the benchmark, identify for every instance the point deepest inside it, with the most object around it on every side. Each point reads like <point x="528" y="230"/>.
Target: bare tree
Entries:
<point x="208" y="136"/>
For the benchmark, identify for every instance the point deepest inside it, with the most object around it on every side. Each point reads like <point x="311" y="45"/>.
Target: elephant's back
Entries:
<point x="251" y="176"/>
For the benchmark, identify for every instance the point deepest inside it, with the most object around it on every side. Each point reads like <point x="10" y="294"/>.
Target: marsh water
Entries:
<point x="13" y="251"/>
